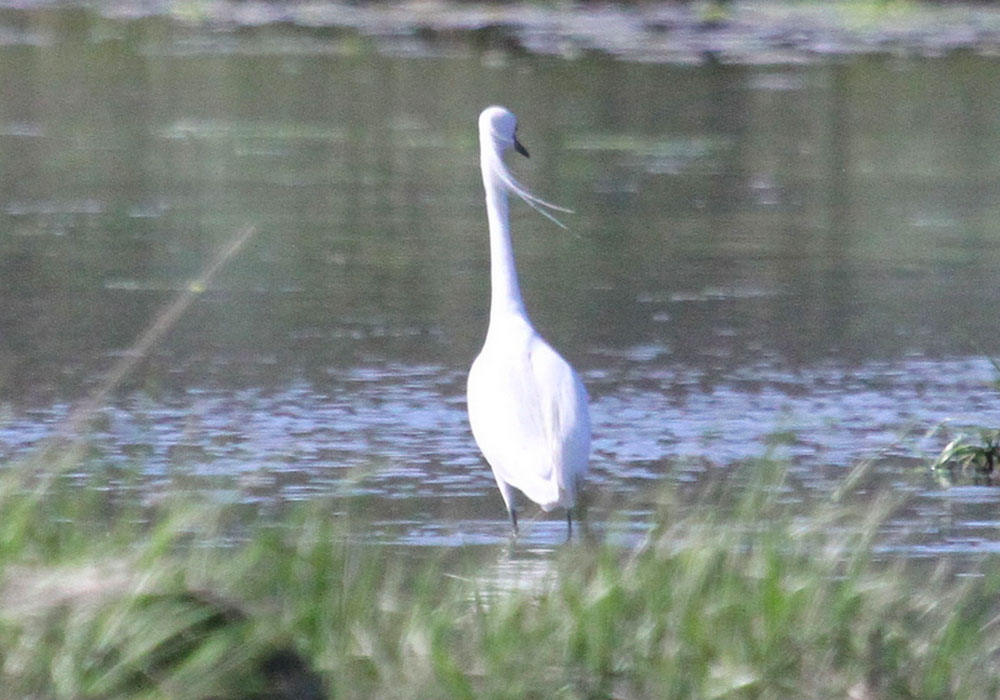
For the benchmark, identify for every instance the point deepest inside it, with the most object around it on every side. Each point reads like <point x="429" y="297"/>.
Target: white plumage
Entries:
<point x="527" y="406"/>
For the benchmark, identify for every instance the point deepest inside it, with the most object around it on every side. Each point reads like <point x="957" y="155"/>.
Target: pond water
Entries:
<point x="789" y="259"/>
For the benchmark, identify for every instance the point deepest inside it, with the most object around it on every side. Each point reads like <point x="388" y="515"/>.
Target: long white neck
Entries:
<point x="505" y="294"/>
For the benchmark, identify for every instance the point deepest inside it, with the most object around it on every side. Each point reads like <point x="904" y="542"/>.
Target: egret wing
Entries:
<point x="565" y="415"/>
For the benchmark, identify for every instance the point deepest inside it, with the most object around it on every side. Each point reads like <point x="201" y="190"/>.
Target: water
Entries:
<point x="786" y="259"/>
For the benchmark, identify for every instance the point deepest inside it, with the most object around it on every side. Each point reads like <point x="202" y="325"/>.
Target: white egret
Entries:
<point x="527" y="406"/>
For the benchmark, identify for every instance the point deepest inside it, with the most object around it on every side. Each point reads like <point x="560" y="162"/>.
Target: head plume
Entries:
<point x="497" y="133"/>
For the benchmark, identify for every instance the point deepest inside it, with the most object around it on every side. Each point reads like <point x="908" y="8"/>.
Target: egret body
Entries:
<point x="527" y="406"/>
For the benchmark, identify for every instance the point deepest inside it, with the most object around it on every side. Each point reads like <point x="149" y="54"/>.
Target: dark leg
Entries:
<point x="569" y="524"/>
<point x="513" y="519"/>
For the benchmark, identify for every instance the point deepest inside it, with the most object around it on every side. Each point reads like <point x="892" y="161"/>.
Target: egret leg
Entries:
<point x="513" y="520"/>
<point x="569" y="524"/>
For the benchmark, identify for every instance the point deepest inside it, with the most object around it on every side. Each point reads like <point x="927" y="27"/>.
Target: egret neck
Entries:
<point x="505" y="293"/>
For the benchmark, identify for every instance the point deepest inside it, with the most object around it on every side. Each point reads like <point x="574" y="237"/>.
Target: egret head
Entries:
<point x="497" y="133"/>
<point x="498" y="127"/>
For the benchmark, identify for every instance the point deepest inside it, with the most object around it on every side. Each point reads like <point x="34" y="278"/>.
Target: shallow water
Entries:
<point x="783" y="259"/>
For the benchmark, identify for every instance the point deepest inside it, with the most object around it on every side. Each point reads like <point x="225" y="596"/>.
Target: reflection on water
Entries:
<point x="796" y="260"/>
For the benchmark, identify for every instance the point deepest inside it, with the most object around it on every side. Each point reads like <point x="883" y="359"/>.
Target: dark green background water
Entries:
<point x="802" y="250"/>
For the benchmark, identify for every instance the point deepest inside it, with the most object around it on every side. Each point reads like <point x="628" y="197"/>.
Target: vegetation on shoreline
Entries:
<point x="685" y="31"/>
<point x="734" y="594"/>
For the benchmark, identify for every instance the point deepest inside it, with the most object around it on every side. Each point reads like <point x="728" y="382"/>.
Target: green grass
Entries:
<point x="733" y="593"/>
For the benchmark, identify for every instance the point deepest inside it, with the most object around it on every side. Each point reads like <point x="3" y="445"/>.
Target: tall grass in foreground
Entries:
<point x="733" y="595"/>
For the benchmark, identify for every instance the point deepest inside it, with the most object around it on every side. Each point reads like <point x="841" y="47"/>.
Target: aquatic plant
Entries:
<point x="968" y="454"/>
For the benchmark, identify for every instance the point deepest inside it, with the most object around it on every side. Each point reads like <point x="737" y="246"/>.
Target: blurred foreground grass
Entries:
<point x="732" y="594"/>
